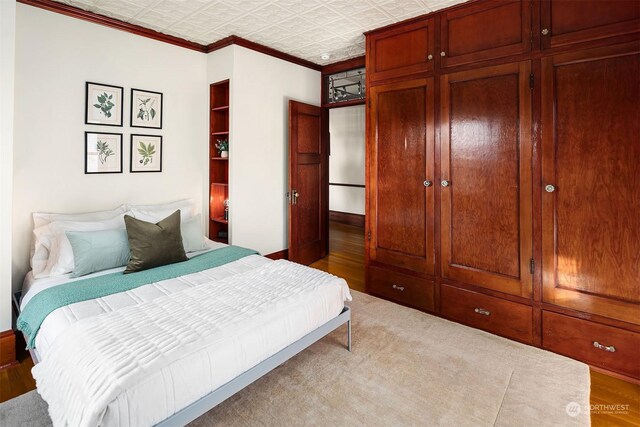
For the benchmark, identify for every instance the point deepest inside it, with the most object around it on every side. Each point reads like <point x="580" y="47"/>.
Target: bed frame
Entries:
<point x="222" y="393"/>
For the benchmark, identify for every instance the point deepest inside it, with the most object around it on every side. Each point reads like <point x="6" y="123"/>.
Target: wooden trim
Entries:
<point x="349" y="103"/>
<point x="227" y="41"/>
<point x="356" y="220"/>
<point x="345" y="65"/>
<point x="85" y="15"/>
<point x="7" y="349"/>
<point x="283" y="254"/>
<point x="348" y="185"/>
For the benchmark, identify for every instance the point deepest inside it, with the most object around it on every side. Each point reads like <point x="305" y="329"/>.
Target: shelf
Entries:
<point x="220" y="158"/>
<point x="221" y="108"/>
<point x="220" y="220"/>
<point x="220" y="133"/>
<point x="220" y="183"/>
<point x="224" y="240"/>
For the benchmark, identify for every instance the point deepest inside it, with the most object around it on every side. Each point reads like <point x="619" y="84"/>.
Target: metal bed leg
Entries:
<point x="349" y="335"/>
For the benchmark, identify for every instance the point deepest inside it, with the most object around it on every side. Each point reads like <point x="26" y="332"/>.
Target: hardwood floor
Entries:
<point x="346" y="259"/>
<point x="346" y="254"/>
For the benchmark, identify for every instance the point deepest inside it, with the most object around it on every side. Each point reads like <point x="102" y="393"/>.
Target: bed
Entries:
<point x="166" y="352"/>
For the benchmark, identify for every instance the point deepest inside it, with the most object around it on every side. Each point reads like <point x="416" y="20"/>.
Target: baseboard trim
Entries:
<point x="7" y="349"/>
<point x="347" y="218"/>
<point x="283" y="254"/>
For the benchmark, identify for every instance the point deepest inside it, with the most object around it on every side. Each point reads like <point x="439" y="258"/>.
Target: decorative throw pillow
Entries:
<point x="153" y="245"/>
<point x="98" y="250"/>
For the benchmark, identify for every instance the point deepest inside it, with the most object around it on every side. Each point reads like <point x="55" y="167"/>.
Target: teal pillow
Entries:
<point x="98" y="250"/>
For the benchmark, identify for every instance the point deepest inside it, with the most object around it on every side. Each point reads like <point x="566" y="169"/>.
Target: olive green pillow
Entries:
<point x="153" y="245"/>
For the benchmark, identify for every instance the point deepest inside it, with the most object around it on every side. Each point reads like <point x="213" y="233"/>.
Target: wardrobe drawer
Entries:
<point x="402" y="288"/>
<point x="495" y="315"/>
<point x="608" y="347"/>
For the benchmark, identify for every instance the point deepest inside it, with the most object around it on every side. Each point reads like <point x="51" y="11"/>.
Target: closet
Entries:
<point x="503" y="172"/>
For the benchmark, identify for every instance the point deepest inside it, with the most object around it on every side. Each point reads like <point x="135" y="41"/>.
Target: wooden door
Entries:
<point x="486" y="219"/>
<point x="401" y="51"/>
<point x="400" y="175"/>
<point x="565" y="22"/>
<point x="308" y="184"/>
<point x="591" y="181"/>
<point x="485" y="30"/>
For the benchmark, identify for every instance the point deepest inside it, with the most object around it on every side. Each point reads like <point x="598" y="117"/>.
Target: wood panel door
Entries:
<point x="401" y="51"/>
<point x="400" y="158"/>
<point x="591" y="181"/>
<point x="485" y="30"/>
<point x="308" y="184"/>
<point x="486" y="218"/>
<point x="565" y="22"/>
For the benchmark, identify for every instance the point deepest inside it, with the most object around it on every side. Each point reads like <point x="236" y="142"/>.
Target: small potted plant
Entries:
<point x="223" y="147"/>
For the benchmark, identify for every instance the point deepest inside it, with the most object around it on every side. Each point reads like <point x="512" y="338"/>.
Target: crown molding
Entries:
<point x="344" y="65"/>
<point x="85" y="15"/>
<point x="239" y="41"/>
<point x="75" y="12"/>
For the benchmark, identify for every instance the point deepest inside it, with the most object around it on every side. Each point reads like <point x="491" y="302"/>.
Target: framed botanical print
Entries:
<point x="146" y="109"/>
<point x="103" y="104"/>
<point x="146" y="153"/>
<point x="102" y="152"/>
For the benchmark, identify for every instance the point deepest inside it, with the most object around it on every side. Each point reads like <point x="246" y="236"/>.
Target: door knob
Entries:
<point x="545" y="31"/>
<point x="294" y="197"/>
<point x="445" y="183"/>
<point x="549" y="188"/>
<point x="428" y="183"/>
<point x="443" y="54"/>
<point x="430" y="57"/>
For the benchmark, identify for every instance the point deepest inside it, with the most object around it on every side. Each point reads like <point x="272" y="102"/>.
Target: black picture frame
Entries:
<point x="134" y="121"/>
<point x="88" y="103"/>
<point x="133" y="158"/>
<point x="86" y="152"/>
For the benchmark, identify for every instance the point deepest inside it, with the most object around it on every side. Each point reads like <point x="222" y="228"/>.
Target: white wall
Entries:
<point x="7" y="63"/>
<point x="261" y="87"/>
<point x="346" y="162"/>
<point x="55" y="56"/>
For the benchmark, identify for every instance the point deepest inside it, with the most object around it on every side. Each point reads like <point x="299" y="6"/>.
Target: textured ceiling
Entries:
<point x="303" y="28"/>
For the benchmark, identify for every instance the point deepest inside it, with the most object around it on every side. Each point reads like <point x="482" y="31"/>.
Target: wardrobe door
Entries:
<point x="486" y="178"/>
<point x="401" y="51"/>
<point x="565" y="22"/>
<point x="485" y="30"/>
<point x="591" y="181"/>
<point x="401" y="202"/>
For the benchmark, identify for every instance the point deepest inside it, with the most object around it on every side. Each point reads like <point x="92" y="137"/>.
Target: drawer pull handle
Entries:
<point x="482" y="311"/>
<point x="608" y="348"/>
<point x="399" y="288"/>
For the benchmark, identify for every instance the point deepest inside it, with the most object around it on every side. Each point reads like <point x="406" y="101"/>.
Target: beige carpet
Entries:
<point x="409" y="368"/>
<point x="406" y="369"/>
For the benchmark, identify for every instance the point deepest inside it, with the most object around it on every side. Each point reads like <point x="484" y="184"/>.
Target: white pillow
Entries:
<point x="155" y="216"/>
<point x="186" y="206"/>
<point x="39" y="255"/>
<point x="192" y="235"/>
<point x="41" y="219"/>
<point x="52" y="237"/>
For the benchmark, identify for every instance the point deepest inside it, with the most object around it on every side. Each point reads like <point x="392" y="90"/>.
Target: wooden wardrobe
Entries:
<point x="503" y="172"/>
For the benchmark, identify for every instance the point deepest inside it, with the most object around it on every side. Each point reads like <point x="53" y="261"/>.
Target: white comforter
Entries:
<point x="139" y="364"/>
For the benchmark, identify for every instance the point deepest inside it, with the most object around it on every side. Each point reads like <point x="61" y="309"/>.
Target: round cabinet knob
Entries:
<point x="545" y="31"/>
<point x="549" y="188"/>
<point x="445" y="183"/>
<point x="430" y="57"/>
<point x="443" y="54"/>
<point x="428" y="183"/>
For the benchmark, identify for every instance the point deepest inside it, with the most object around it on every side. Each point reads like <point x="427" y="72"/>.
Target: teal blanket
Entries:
<point x="51" y="299"/>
